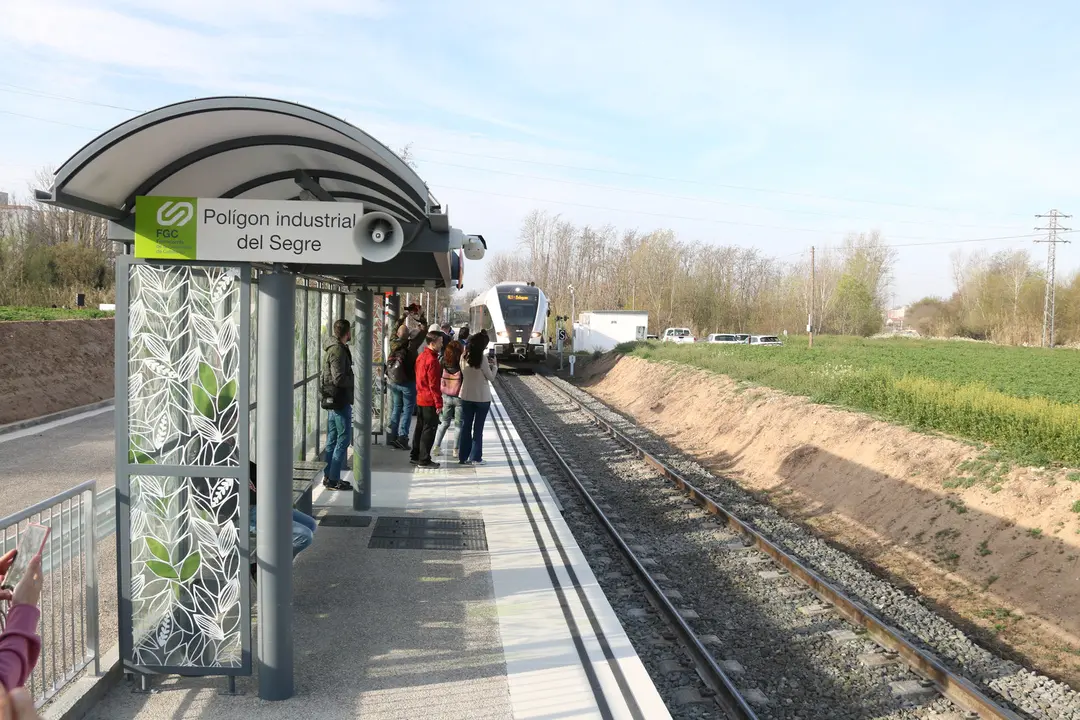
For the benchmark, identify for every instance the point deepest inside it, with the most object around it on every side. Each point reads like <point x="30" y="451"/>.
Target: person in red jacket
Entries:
<point x="428" y="399"/>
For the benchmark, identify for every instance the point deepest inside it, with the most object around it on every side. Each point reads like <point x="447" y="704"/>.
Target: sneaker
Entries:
<point x="463" y="462"/>
<point x="478" y="462"/>
<point x="429" y="464"/>
<point x="391" y="440"/>
<point x="402" y="444"/>
<point x="414" y="461"/>
<point x="340" y="486"/>
<point x="436" y="451"/>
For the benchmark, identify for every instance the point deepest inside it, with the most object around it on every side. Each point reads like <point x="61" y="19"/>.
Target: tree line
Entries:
<point x="1000" y="297"/>
<point x="708" y="288"/>
<point x="49" y="254"/>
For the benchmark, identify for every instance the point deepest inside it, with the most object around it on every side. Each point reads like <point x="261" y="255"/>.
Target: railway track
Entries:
<point x="774" y="638"/>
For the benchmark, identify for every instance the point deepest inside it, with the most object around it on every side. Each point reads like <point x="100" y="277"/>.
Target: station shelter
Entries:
<point x="247" y="227"/>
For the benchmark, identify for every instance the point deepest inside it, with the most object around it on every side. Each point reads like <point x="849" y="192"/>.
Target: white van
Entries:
<point x="679" y="335"/>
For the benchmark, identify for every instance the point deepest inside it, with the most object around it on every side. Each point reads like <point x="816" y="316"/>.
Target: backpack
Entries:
<point x="329" y="394"/>
<point x="451" y="383"/>
<point x="395" y="368"/>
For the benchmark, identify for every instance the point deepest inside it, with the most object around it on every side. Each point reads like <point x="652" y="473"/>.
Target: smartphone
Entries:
<point x="31" y="543"/>
<point x="491" y="353"/>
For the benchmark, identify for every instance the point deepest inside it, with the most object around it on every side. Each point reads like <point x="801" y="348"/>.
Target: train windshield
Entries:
<point x="518" y="308"/>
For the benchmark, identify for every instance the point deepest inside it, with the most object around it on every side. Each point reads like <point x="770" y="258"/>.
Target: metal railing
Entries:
<point x="69" y="595"/>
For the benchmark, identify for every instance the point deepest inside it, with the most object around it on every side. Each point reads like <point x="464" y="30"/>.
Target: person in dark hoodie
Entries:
<point x="401" y="381"/>
<point x="336" y="389"/>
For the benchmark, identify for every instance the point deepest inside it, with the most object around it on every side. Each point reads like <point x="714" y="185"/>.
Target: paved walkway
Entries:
<point x="520" y="631"/>
<point x="39" y="462"/>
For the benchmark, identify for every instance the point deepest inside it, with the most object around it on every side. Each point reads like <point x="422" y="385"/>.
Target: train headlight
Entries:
<point x="537" y="336"/>
<point x="502" y="336"/>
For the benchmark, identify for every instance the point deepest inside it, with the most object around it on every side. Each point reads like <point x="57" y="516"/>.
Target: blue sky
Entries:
<point x="778" y="125"/>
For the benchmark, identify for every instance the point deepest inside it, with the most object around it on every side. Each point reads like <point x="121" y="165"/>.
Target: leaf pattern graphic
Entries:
<point x="210" y="626"/>
<point x="185" y="341"/>
<point x="185" y="572"/>
<point x="183" y="368"/>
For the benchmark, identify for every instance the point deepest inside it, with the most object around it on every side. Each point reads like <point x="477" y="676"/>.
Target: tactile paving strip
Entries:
<point x="345" y="521"/>
<point x="428" y="533"/>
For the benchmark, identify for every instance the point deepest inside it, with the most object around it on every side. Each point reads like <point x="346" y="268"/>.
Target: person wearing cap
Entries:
<point x="405" y="347"/>
<point x="413" y="319"/>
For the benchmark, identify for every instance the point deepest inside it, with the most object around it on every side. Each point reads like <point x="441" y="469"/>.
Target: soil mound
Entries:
<point x="46" y="367"/>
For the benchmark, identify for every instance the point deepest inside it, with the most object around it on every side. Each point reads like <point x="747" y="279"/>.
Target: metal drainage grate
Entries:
<point x="345" y="521"/>
<point x="428" y="533"/>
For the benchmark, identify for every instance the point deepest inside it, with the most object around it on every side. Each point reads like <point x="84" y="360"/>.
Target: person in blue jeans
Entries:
<point x="303" y="525"/>
<point x="336" y="387"/>
<point x="401" y="381"/>
<point x="476" y="375"/>
<point x="303" y="530"/>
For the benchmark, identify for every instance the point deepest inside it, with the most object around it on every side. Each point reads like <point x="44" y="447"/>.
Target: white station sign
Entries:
<point x="268" y="231"/>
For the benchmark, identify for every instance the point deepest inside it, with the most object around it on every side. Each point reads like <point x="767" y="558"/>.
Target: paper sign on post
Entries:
<point x="269" y="231"/>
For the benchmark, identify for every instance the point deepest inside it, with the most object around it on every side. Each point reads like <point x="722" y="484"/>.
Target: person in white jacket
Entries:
<point x="477" y="372"/>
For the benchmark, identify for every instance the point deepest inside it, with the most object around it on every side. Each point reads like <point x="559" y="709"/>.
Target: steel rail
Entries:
<point x="955" y="687"/>
<point x="707" y="668"/>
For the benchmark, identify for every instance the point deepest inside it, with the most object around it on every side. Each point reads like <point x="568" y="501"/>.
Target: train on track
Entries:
<point x="515" y="317"/>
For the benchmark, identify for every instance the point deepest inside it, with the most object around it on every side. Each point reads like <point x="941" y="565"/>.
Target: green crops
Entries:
<point x="1026" y="401"/>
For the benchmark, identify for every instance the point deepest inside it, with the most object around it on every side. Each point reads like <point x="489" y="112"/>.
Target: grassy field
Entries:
<point x="22" y="314"/>
<point x="1025" y="401"/>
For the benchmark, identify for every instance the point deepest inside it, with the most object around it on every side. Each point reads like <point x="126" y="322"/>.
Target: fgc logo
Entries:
<point x="173" y="213"/>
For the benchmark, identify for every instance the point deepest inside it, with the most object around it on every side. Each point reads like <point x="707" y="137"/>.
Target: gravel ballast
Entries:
<point x="1032" y="695"/>
<point x="788" y="654"/>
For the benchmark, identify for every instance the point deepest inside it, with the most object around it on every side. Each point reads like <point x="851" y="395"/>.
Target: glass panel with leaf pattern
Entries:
<point x="185" y="572"/>
<point x="183" y="365"/>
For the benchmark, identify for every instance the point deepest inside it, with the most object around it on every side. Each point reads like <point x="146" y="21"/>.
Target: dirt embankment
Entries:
<point x="46" y="367"/>
<point x="992" y="546"/>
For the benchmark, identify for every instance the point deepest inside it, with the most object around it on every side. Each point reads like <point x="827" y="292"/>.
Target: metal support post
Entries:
<point x="365" y="329"/>
<point x="393" y="312"/>
<point x="274" y="417"/>
<point x="88" y="504"/>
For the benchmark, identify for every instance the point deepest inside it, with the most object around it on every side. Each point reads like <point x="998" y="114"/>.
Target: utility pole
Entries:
<point x="813" y="290"/>
<point x="1052" y="228"/>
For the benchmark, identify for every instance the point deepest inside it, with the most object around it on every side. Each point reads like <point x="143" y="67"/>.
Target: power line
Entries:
<point x="700" y="182"/>
<point x="1052" y="229"/>
<point x="711" y="201"/>
<point x="8" y="87"/>
<point x="46" y="120"/>
<point x="730" y="222"/>
<point x="16" y="89"/>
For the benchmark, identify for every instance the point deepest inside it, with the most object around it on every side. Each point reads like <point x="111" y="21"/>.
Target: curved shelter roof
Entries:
<point x="252" y="148"/>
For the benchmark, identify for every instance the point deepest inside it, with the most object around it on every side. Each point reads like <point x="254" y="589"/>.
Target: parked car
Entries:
<point x="765" y="340"/>
<point x="679" y="335"/>
<point x="724" y="339"/>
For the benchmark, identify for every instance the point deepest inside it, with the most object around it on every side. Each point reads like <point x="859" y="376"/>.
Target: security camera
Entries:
<point x="475" y="246"/>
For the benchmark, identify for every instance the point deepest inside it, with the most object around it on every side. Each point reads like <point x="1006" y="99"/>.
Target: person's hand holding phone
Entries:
<point x="28" y="591"/>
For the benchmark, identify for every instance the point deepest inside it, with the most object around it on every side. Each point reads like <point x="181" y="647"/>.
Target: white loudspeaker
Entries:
<point x="475" y="246"/>
<point x="378" y="236"/>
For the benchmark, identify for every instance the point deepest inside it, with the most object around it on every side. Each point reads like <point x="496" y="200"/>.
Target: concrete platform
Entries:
<point x="521" y="630"/>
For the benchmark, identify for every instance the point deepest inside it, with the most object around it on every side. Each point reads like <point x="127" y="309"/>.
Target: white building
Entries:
<point x="604" y="329"/>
